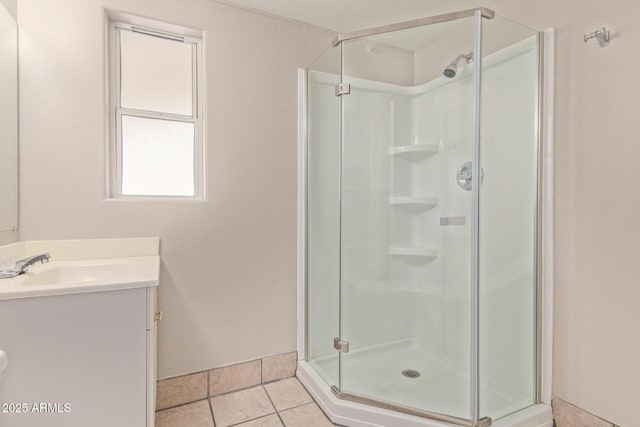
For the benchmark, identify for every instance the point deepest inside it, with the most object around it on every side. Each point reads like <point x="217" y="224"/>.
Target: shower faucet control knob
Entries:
<point x="464" y="176"/>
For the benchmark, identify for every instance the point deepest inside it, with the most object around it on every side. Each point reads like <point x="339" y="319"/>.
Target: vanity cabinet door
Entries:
<point x="75" y="360"/>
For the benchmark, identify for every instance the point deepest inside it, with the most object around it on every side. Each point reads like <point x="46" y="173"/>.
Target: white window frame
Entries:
<point x="116" y="111"/>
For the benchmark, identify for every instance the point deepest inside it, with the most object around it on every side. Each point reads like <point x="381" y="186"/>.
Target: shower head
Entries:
<point x="452" y="69"/>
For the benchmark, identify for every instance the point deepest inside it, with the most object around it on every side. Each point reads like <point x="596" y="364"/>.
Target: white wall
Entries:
<point x="228" y="264"/>
<point x="597" y="347"/>
<point x="373" y="60"/>
<point x="12" y="6"/>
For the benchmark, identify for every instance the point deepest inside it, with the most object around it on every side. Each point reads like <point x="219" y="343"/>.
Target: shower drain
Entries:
<point x="411" y="373"/>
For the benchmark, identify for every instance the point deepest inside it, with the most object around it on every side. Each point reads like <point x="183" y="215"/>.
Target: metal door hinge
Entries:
<point x="343" y="89"/>
<point x="341" y="346"/>
<point x="157" y="316"/>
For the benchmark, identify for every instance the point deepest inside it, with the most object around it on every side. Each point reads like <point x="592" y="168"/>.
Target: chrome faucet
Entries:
<point x="23" y="265"/>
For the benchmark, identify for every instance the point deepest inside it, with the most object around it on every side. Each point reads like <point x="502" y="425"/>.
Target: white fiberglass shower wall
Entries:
<point x="389" y="224"/>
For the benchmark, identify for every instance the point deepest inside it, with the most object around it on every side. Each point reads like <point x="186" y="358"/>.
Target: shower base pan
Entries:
<point x="408" y="374"/>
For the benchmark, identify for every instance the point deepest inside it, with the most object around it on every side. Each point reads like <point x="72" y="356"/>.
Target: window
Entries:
<point x="156" y="113"/>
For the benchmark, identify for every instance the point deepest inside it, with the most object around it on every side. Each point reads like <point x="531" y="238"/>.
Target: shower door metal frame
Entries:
<point x="453" y="16"/>
<point x="475" y="225"/>
<point x="307" y="374"/>
<point x="474" y="419"/>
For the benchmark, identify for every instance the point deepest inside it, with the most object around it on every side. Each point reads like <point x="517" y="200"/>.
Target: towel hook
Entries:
<point x="602" y="35"/>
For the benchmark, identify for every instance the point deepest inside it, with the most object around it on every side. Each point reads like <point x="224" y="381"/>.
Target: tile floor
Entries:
<point x="276" y="404"/>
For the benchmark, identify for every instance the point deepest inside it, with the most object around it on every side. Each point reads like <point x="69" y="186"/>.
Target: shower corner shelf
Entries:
<point x="414" y="251"/>
<point x="414" y="152"/>
<point x="422" y="202"/>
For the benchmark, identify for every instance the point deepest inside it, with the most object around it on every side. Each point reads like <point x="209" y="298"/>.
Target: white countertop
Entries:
<point x="79" y="276"/>
<point x="80" y="266"/>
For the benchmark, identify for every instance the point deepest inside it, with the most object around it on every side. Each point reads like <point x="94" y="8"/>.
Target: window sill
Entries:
<point x="155" y="199"/>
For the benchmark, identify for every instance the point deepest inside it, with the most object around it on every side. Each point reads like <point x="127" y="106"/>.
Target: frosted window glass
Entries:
<point x="156" y="74"/>
<point x="157" y="157"/>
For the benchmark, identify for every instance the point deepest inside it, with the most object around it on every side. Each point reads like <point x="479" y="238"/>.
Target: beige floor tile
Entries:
<point x="268" y="421"/>
<point x="568" y="415"/>
<point x="196" y="414"/>
<point x="278" y="367"/>
<point x="234" y="377"/>
<point x="308" y="415"/>
<point x="178" y="390"/>
<point x="287" y="394"/>
<point x="245" y="405"/>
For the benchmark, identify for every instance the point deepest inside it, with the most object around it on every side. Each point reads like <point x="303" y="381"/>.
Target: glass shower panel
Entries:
<point x="508" y="217"/>
<point x="323" y="214"/>
<point x="406" y="218"/>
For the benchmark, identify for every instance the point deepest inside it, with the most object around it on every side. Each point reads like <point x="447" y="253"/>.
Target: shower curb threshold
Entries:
<point x="351" y="414"/>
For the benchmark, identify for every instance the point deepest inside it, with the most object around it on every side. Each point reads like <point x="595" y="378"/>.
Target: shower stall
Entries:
<point x="421" y="233"/>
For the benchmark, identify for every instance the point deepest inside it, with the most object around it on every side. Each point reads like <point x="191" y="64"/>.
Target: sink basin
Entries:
<point x="80" y="273"/>
<point x="74" y="276"/>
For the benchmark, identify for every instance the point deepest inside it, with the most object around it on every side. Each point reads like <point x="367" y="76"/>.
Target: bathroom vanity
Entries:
<point x="79" y="334"/>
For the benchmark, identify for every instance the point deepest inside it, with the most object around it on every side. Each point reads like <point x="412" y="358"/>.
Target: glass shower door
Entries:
<point x="323" y="214"/>
<point x="429" y="294"/>
<point x="508" y="217"/>
<point x="406" y="219"/>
